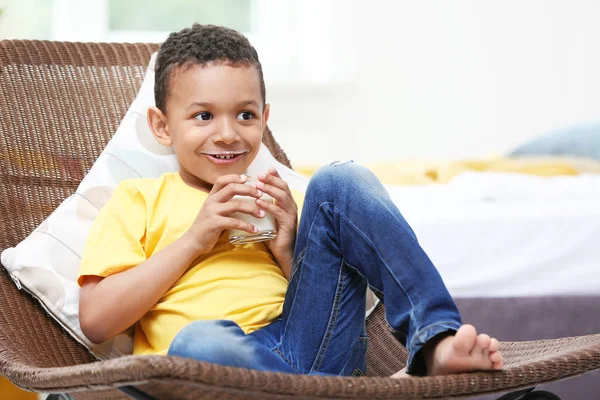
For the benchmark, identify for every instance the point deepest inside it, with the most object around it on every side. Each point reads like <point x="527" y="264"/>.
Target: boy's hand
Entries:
<point x="214" y="216"/>
<point x="285" y="212"/>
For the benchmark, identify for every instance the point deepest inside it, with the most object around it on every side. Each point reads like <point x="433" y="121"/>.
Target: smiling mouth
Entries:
<point x="224" y="157"/>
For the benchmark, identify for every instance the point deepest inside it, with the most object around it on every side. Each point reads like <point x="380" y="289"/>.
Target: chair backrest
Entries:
<point x="60" y="103"/>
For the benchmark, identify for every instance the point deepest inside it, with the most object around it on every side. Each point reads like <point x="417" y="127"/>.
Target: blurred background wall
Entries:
<point x="379" y="80"/>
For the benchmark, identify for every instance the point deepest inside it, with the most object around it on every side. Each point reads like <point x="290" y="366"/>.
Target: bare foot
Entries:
<point x="464" y="352"/>
<point x="400" y="374"/>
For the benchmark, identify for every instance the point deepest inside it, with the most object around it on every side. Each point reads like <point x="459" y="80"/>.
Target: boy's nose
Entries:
<point x="226" y="132"/>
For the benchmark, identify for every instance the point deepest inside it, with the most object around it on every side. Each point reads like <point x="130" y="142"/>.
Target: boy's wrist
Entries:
<point x="285" y="261"/>
<point x="190" y="247"/>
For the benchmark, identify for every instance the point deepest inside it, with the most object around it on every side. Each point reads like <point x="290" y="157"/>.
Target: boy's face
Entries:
<point x="214" y="120"/>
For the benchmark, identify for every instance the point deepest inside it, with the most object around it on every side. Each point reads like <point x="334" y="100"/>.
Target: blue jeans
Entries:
<point x="351" y="235"/>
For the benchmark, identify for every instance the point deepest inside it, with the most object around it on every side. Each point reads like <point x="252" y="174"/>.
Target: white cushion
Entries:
<point x="46" y="263"/>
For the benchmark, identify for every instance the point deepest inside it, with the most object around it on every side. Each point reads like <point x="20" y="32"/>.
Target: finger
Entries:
<point x="283" y="198"/>
<point x="225" y="180"/>
<point x="273" y="178"/>
<point x="233" y="189"/>
<point x="283" y="217"/>
<point x="234" y="206"/>
<point x="273" y="171"/>
<point x="224" y="223"/>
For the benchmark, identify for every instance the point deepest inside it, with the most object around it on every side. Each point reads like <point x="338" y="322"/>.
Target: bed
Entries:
<point x="519" y="253"/>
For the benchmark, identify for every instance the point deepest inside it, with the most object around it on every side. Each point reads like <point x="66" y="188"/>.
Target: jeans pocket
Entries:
<point x="357" y="362"/>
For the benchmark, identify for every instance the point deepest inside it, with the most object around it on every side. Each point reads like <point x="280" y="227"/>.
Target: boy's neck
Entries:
<point x="194" y="182"/>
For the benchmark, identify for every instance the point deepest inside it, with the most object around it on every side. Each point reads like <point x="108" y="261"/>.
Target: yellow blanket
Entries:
<point x="428" y="172"/>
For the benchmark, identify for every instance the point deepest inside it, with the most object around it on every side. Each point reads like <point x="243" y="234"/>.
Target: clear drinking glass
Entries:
<point x="267" y="228"/>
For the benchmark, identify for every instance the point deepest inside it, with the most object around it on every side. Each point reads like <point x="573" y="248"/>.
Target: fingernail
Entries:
<point x="243" y="178"/>
<point x="262" y="175"/>
<point x="260" y="192"/>
<point x="255" y="229"/>
<point x="260" y="185"/>
<point x="261" y="213"/>
<point x="272" y="170"/>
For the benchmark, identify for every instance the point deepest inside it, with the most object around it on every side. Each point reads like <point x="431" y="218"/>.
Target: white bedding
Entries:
<point x="492" y="234"/>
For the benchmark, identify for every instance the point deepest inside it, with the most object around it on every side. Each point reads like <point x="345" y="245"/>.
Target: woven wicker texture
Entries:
<point x="59" y="105"/>
<point x="176" y="378"/>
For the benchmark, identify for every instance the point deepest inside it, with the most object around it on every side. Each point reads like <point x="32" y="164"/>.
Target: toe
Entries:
<point x="495" y="357"/>
<point x="483" y="342"/>
<point x="485" y="359"/>
<point x="465" y="339"/>
<point x="401" y="374"/>
<point x="498" y="365"/>
<point x="494" y="345"/>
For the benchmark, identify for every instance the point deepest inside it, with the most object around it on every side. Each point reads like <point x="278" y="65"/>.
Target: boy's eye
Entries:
<point x="245" y="115"/>
<point x="203" y="116"/>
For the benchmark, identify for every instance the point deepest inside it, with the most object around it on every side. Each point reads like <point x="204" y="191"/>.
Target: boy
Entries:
<point x="158" y="256"/>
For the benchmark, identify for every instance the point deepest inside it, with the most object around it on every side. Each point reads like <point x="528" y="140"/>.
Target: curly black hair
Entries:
<point x="200" y="45"/>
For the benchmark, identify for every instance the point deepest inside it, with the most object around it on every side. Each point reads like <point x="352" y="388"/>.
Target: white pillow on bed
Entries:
<point x="46" y="263"/>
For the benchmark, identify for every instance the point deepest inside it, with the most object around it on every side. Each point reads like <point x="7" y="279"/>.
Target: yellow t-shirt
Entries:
<point x="239" y="283"/>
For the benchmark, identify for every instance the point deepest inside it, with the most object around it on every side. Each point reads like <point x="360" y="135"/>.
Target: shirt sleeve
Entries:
<point x="116" y="240"/>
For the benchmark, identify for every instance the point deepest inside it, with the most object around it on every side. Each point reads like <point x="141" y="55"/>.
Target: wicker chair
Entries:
<point x="46" y="147"/>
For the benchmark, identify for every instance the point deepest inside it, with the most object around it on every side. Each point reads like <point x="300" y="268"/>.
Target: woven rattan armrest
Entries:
<point x="528" y="364"/>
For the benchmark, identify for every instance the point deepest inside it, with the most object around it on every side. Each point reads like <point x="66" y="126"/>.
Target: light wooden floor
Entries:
<point x="9" y="392"/>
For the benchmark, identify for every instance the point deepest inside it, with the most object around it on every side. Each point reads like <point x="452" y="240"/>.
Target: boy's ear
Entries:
<point x="266" y="113"/>
<point x="158" y="125"/>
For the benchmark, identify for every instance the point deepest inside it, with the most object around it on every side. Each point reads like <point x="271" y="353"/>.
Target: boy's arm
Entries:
<point x="108" y="306"/>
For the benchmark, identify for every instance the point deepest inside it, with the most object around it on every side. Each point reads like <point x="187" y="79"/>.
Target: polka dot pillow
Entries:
<point x="46" y="263"/>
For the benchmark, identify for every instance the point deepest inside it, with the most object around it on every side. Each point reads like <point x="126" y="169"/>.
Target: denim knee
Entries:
<point x="340" y="177"/>
<point x="220" y="342"/>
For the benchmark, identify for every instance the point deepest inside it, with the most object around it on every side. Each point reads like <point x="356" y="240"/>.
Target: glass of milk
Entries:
<point x="267" y="228"/>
